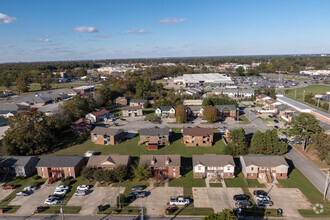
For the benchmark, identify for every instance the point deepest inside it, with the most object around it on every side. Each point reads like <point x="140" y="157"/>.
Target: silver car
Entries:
<point x="80" y="193"/>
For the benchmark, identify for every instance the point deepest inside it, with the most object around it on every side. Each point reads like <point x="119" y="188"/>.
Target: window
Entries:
<point x="43" y="174"/>
<point x="173" y="168"/>
<point x="42" y="169"/>
<point x="227" y="174"/>
<point x="69" y="169"/>
<point x="281" y="174"/>
<point x="228" y="168"/>
<point x="70" y="174"/>
<point x="252" y="168"/>
<point x="199" y="168"/>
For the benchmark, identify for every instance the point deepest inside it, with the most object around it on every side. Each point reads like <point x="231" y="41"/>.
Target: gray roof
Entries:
<point x="106" y="131"/>
<point x="138" y="101"/>
<point x="160" y="160"/>
<point x="213" y="160"/>
<point x="222" y="107"/>
<point x="113" y="160"/>
<point x="261" y="160"/>
<point x="284" y="107"/>
<point x="59" y="161"/>
<point x="154" y="131"/>
<point x="165" y="108"/>
<point x="14" y="161"/>
<point x="195" y="107"/>
<point x="132" y="108"/>
<point x="11" y="106"/>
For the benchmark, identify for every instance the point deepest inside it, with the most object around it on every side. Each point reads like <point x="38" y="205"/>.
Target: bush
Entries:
<point x="121" y="200"/>
<point x="19" y="177"/>
<point x="328" y="159"/>
<point x="36" y="177"/>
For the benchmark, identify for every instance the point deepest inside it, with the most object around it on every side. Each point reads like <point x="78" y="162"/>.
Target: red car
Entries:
<point x="8" y="187"/>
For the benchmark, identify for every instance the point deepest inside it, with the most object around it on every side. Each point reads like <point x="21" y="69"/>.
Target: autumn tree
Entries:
<point x="181" y="114"/>
<point x="211" y="114"/>
<point x="29" y="133"/>
<point x="320" y="142"/>
<point x="22" y="83"/>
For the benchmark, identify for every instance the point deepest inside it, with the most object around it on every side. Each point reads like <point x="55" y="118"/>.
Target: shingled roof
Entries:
<point x="106" y="131"/>
<point x="225" y="107"/>
<point x="154" y="131"/>
<point x="101" y="112"/>
<point x="59" y="161"/>
<point x="132" y="108"/>
<point x="197" y="131"/>
<point x="213" y="160"/>
<point x="14" y="161"/>
<point x="261" y="160"/>
<point x="108" y="161"/>
<point x="160" y="160"/>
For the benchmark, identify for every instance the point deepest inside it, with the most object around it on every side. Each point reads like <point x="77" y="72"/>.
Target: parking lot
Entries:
<point x="97" y="196"/>
<point x="157" y="201"/>
<point x="215" y="197"/>
<point x="288" y="199"/>
<point x="30" y="203"/>
<point x="4" y="193"/>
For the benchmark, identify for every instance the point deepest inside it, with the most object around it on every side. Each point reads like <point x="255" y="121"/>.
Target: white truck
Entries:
<point x="180" y="200"/>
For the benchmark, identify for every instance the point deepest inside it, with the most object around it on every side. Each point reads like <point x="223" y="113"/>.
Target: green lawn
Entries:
<point x="245" y="120"/>
<point x="187" y="181"/>
<point x="20" y="183"/>
<point x="128" y="184"/>
<point x="56" y="210"/>
<point x="215" y="184"/>
<point x="128" y="210"/>
<point x="190" y="210"/>
<point x="314" y="89"/>
<point x="298" y="180"/>
<point x="149" y="113"/>
<point x="78" y="146"/>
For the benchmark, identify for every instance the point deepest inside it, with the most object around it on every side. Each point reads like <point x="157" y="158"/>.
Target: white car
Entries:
<point x="80" y="193"/>
<point x="30" y="188"/>
<point x="83" y="188"/>
<point x="262" y="197"/>
<point x="22" y="193"/>
<point x="62" y="187"/>
<point x="51" y="202"/>
<point x="89" y="153"/>
<point x="180" y="200"/>
<point x="60" y="192"/>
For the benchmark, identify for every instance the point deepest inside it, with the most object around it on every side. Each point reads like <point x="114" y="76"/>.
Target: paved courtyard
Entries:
<point x="30" y="203"/>
<point x="289" y="199"/>
<point x="97" y="196"/>
<point x="217" y="198"/>
<point x="157" y="201"/>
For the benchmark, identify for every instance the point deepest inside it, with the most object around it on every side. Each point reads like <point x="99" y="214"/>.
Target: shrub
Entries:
<point x="36" y="177"/>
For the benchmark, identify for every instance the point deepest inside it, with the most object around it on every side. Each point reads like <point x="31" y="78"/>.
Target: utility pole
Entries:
<point x="304" y="96"/>
<point x="318" y="102"/>
<point x="295" y="94"/>
<point x="326" y="185"/>
<point x="61" y="210"/>
<point x="141" y="212"/>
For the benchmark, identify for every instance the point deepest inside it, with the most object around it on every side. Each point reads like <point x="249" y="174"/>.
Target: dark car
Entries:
<point x="243" y="204"/>
<point x="140" y="194"/>
<point x="57" y="197"/>
<point x="156" y="120"/>
<point x="259" y="192"/>
<point x="276" y="121"/>
<point x="138" y="188"/>
<point x="241" y="197"/>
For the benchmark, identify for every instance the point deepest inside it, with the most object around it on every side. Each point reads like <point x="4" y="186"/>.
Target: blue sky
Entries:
<point x="47" y="30"/>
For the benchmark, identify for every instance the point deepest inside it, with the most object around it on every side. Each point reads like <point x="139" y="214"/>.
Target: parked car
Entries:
<point x="22" y="193"/>
<point x="265" y="202"/>
<point x="83" y="188"/>
<point x="80" y="193"/>
<point x="60" y="192"/>
<point x="140" y="194"/>
<point x="157" y="120"/>
<point x="62" y="187"/>
<point x="262" y="197"/>
<point x="136" y="188"/>
<point x="30" y="188"/>
<point x="243" y="204"/>
<point x="89" y="153"/>
<point x="260" y="192"/>
<point x="180" y="200"/>
<point x="51" y="202"/>
<point x="57" y="197"/>
<point x="9" y="187"/>
<point x="276" y="121"/>
<point x="241" y="197"/>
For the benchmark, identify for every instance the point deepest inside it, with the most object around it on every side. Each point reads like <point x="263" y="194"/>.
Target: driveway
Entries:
<point x="157" y="201"/>
<point x="289" y="199"/>
<point x="30" y="203"/>
<point x="97" y="196"/>
<point x="215" y="197"/>
<point x="4" y="193"/>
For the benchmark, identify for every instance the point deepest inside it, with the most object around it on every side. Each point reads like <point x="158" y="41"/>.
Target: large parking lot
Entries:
<point x="288" y="199"/>
<point x="97" y="196"/>
<point x="157" y="201"/>
<point x="30" y="203"/>
<point x="215" y="197"/>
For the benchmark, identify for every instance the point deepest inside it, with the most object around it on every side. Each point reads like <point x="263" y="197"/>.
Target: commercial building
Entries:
<point x="204" y="79"/>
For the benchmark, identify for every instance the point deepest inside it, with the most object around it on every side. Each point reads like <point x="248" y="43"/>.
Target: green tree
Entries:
<point x="46" y="83"/>
<point x="99" y="175"/>
<point x="237" y="141"/>
<point x="120" y="173"/>
<point x="29" y="133"/>
<point x="181" y="114"/>
<point x="211" y="114"/>
<point x="77" y="107"/>
<point x="257" y="143"/>
<point x="304" y="126"/>
<point x="104" y="96"/>
<point x="88" y="173"/>
<point x="108" y="176"/>
<point x="320" y="142"/>
<point x="240" y="71"/>
<point x="22" y="83"/>
<point x="141" y="173"/>
<point x="226" y="214"/>
<point x="121" y="200"/>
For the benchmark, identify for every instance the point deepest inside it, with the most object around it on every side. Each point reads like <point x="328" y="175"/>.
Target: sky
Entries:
<point x="51" y="30"/>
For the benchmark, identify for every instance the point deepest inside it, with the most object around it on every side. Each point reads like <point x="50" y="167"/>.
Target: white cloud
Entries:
<point x="103" y="36"/>
<point x="5" y="19"/>
<point x="141" y="31"/>
<point x="85" y="29"/>
<point x="42" y="40"/>
<point x="46" y="35"/>
<point x="172" y="20"/>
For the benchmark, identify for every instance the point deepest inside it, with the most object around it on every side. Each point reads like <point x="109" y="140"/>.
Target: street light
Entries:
<point x="326" y="185"/>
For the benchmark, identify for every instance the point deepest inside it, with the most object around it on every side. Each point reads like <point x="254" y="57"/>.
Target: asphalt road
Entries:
<point x="59" y="217"/>
<point x="309" y="170"/>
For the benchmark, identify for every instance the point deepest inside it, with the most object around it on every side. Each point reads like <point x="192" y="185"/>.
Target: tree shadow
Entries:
<point x="186" y="165"/>
<point x="175" y="136"/>
<point x="291" y="166"/>
<point x="217" y="137"/>
<point x="67" y="139"/>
